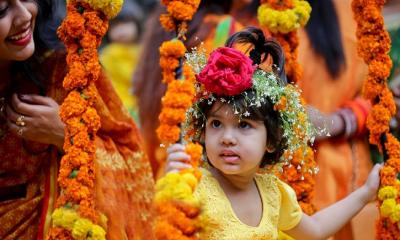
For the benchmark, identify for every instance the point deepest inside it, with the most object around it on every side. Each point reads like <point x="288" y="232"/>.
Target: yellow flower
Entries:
<point x="109" y="7"/>
<point x="387" y="192"/>
<point x="387" y="207"/>
<point x="190" y="179"/>
<point x="395" y="216"/>
<point x="81" y="228"/>
<point x="97" y="233"/>
<point x="65" y="218"/>
<point x="284" y="21"/>
<point x="173" y="186"/>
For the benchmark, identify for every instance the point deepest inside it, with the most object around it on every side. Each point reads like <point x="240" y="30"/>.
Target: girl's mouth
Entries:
<point x="230" y="157"/>
<point x="22" y="38"/>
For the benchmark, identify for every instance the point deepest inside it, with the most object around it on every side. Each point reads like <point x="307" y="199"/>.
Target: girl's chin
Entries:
<point x="230" y="169"/>
<point x="25" y="53"/>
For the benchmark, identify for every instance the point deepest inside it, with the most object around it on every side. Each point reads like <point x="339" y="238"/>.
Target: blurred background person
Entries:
<point x="121" y="51"/>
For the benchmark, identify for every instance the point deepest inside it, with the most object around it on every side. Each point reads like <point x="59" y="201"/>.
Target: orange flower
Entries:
<point x="76" y="76"/>
<point x="173" y="49"/>
<point x="73" y="105"/>
<point x="167" y="22"/>
<point x="281" y="104"/>
<point x="95" y="24"/>
<point x="195" y="151"/>
<point x="74" y="24"/>
<point x="81" y="32"/>
<point x="392" y="146"/>
<point x="172" y="116"/>
<point x="181" y="11"/>
<point x="91" y="119"/>
<point x="168" y="134"/>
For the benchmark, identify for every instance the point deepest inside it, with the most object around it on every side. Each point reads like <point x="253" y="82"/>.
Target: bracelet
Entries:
<point x="350" y="122"/>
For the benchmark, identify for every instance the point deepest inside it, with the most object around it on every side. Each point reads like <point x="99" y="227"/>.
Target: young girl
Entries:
<point x="242" y="132"/>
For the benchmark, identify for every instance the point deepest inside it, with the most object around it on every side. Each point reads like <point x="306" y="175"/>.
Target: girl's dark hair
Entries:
<point x="263" y="48"/>
<point x="45" y="38"/>
<point x="266" y="113"/>
<point x="323" y="30"/>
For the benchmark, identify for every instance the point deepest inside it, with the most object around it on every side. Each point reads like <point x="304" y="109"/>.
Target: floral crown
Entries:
<point x="229" y="73"/>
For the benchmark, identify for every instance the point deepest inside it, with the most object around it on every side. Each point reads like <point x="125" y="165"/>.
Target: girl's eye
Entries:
<point x="244" y="125"/>
<point x="3" y="10"/>
<point x="215" y="123"/>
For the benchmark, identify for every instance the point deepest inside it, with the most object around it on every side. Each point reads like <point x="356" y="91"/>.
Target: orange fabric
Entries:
<point x="124" y="182"/>
<point x="344" y="164"/>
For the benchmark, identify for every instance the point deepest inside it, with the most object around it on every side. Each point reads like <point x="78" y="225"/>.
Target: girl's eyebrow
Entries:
<point x="215" y="114"/>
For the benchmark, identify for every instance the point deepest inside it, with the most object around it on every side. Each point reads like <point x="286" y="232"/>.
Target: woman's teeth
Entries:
<point x="20" y="36"/>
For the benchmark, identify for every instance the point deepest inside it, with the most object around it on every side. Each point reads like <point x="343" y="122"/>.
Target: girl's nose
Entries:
<point x="23" y="15"/>
<point x="228" y="137"/>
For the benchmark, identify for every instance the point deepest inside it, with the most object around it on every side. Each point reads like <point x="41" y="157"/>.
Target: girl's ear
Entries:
<point x="269" y="148"/>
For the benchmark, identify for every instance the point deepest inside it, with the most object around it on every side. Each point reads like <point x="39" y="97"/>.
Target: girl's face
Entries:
<point x="17" y="21"/>
<point x="234" y="146"/>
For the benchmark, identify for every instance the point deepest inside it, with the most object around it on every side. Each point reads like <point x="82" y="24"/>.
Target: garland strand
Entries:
<point x="76" y="216"/>
<point x="177" y="209"/>
<point x="373" y="47"/>
<point x="283" y="18"/>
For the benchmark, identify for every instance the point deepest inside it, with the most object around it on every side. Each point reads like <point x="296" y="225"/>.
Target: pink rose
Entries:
<point x="228" y="72"/>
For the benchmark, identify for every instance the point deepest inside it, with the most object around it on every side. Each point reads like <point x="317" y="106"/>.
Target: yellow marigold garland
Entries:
<point x="108" y="7"/>
<point x="373" y="47"/>
<point x="76" y="216"/>
<point x="177" y="209"/>
<point x="283" y="18"/>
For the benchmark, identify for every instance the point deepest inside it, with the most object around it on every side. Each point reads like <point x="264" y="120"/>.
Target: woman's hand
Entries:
<point x="372" y="184"/>
<point x="35" y="118"/>
<point x="177" y="159"/>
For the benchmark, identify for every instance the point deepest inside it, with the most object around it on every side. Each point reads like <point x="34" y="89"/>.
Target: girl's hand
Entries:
<point x="177" y="158"/>
<point x="372" y="184"/>
<point x="35" y="118"/>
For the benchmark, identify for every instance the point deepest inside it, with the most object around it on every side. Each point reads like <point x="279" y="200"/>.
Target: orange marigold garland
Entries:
<point x="283" y="18"/>
<point x="373" y="47"/>
<point x="179" y="12"/>
<point x="76" y="216"/>
<point x="177" y="209"/>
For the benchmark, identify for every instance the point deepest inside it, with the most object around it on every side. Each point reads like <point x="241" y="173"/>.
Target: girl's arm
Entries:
<point x="331" y="219"/>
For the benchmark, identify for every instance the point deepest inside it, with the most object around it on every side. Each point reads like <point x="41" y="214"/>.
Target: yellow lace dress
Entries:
<point x="280" y="210"/>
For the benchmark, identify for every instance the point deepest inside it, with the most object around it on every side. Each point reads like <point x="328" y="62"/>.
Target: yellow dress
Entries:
<point x="119" y="62"/>
<point x="280" y="210"/>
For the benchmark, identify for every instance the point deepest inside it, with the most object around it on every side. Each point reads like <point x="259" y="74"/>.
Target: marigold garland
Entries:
<point x="178" y="13"/>
<point x="76" y="216"/>
<point x="373" y="47"/>
<point x="283" y="18"/>
<point x="176" y="207"/>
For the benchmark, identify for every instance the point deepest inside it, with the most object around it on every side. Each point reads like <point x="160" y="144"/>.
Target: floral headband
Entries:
<point x="227" y="73"/>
